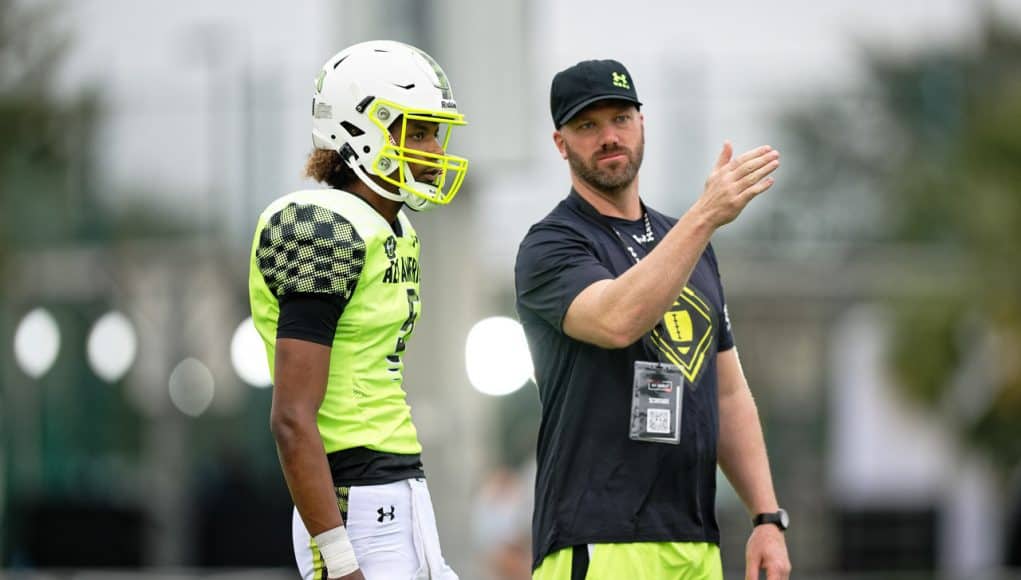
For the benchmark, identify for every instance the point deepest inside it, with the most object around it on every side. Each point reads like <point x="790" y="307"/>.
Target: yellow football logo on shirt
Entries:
<point x="678" y="325"/>
<point x="689" y="333"/>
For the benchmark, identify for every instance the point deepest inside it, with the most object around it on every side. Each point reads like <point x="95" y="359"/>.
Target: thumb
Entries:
<point x="725" y="155"/>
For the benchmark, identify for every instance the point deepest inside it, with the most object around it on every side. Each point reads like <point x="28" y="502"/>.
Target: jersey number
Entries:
<point x="405" y="331"/>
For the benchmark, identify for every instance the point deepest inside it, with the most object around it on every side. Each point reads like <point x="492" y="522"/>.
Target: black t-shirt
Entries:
<point x="594" y="484"/>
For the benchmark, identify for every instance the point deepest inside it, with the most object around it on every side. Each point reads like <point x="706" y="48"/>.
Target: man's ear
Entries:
<point x="558" y="140"/>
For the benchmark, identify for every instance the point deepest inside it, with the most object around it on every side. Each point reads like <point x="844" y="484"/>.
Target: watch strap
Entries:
<point x="776" y="518"/>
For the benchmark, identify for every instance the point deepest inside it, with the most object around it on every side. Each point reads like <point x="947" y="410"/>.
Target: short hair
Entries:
<point x="326" y="166"/>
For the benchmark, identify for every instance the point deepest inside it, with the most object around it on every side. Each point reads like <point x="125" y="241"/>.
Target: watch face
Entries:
<point x="785" y="520"/>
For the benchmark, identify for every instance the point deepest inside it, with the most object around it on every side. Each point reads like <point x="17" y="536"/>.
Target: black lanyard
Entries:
<point x="652" y="240"/>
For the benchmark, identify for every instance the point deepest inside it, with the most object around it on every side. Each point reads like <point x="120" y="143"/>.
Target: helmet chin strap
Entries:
<point x="412" y="199"/>
<point x="409" y="198"/>
<point x="419" y="203"/>
<point x="367" y="180"/>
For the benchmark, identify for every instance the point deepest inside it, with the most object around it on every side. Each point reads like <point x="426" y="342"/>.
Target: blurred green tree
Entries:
<point x="931" y="155"/>
<point x="44" y="140"/>
<point x="48" y="145"/>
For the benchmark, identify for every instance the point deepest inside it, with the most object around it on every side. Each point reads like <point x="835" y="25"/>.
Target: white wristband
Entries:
<point x="338" y="554"/>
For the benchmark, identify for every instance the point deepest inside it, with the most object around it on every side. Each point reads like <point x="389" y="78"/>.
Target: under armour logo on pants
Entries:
<point x="386" y="514"/>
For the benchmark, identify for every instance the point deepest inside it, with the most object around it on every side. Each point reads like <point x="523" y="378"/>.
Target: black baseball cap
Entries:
<point x="589" y="81"/>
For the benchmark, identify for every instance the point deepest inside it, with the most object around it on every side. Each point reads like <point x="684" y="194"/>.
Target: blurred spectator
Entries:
<point x="500" y="522"/>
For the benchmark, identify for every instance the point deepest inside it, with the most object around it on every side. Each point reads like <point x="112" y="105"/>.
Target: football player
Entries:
<point x="334" y="290"/>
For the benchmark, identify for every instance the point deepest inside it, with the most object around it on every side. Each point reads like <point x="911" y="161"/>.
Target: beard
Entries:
<point x="613" y="177"/>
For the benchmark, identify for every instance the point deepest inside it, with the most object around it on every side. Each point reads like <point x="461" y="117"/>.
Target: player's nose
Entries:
<point x="433" y="146"/>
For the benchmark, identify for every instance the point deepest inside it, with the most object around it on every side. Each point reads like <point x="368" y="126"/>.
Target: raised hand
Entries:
<point x="736" y="181"/>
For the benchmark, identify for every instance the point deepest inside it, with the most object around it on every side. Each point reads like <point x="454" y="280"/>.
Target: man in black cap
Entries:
<point x="641" y="388"/>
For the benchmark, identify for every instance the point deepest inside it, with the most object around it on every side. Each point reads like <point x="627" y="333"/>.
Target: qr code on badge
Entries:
<point x="658" y="421"/>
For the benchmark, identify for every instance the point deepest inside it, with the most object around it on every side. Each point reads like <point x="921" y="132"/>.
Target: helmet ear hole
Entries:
<point x="351" y="129"/>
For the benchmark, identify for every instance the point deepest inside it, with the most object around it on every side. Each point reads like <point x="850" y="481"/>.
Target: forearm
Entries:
<point x="742" y="451"/>
<point x="307" y="472"/>
<point x="640" y="296"/>
<point x="615" y="313"/>
<point x="648" y="289"/>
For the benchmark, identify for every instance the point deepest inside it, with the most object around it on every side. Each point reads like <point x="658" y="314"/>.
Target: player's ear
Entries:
<point x="558" y="140"/>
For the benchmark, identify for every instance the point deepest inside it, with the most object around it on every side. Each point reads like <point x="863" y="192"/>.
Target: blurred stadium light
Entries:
<point x="112" y="346"/>
<point x="496" y="356"/>
<point x="191" y="387"/>
<point x="248" y="355"/>
<point x="37" y="342"/>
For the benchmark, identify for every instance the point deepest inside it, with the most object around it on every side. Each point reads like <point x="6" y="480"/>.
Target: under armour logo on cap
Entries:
<point x="620" y="80"/>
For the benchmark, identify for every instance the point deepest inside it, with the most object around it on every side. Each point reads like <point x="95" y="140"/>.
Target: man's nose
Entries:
<point x="608" y="137"/>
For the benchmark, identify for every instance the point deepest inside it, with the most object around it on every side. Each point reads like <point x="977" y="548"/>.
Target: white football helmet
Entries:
<point x="361" y="91"/>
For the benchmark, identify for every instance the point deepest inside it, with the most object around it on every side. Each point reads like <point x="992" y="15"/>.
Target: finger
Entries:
<point x="725" y="155"/>
<point x="759" y="174"/>
<point x="754" y="163"/>
<point x="758" y="188"/>
<point x="751" y="568"/>
<point x="752" y="154"/>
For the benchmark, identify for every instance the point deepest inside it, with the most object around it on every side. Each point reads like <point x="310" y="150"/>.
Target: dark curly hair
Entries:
<point x="326" y="166"/>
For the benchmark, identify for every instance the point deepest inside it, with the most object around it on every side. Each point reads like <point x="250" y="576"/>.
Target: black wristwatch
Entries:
<point x="779" y="518"/>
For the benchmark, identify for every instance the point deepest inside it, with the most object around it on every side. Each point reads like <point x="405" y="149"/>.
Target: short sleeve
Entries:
<point x="554" y="264"/>
<point x="726" y="337"/>
<point x="311" y="317"/>
<point x="312" y="250"/>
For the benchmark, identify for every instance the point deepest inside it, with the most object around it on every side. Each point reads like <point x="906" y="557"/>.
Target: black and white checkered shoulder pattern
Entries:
<point x="308" y="248"/>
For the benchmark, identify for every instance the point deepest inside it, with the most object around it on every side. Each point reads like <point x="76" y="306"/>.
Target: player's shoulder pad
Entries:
<point x="356" y="211"/>
<point x="309" y="248"/>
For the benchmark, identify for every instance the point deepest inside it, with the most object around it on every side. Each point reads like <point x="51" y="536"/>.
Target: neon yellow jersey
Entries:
<point x="332" y="242"/>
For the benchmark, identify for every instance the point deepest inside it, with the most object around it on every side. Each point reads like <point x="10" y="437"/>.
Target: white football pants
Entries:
<point x="393" y="530"/>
